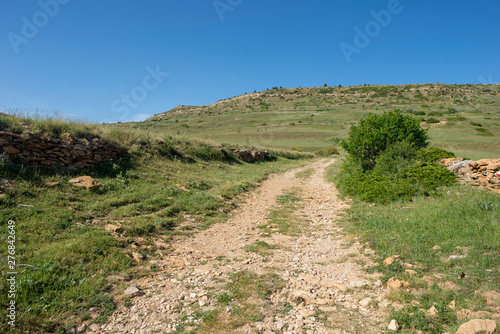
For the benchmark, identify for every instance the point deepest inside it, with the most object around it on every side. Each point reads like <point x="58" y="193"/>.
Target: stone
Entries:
<point x="410" y="272"/>
<point x="133" y="291"/>
<point x="478" y="327"/>
<point x="388" y="261"/>
<point x="85" y="181"/>
<point x="52" y="184"/>
<point x="436" y="247"/>
<point x="10" y="150"/>
<point x="492" y="297"/>
<point x="113" y="228"/>
<point x="95" y="327"/>
<point x="432" y="311"/>
<point x="393" y="326"/>
<point x="6" y="185"/>
<point x="81" y="329"/>
<point x="452" y="305"/>
<point x="182" y="188"/>
<point x="394" y="284"/>
<point x="138" y="256"/>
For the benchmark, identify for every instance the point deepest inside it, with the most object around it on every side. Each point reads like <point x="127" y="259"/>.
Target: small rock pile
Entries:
<point x="481" y="173"/>
<point x="252" y="155"/>
<point x="41" y="150"/>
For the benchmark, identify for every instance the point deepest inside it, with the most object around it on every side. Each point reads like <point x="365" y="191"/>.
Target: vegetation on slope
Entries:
<point x="314" y="118"/>
<point x="165" y="188"/>
<point x="444" y="246"/>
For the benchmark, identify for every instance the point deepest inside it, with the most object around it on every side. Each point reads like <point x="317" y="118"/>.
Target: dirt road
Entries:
<point x="280" y="264"/>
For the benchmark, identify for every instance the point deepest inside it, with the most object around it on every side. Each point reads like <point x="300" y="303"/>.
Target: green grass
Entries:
<point x="282" y="219"/>
<point x="306" y="173"/>
<point x="60" y="233"/>
<point x="309" y="119"/>
<point x="456" y="216"/>
<point x="260" y="247"/>
<point x="245" y="294"/>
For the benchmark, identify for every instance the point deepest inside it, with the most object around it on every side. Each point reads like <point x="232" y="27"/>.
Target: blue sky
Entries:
<point x="122" y="60"/>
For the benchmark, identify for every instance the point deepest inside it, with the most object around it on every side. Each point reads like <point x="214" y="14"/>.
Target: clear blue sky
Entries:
<point x="92" y="59"/>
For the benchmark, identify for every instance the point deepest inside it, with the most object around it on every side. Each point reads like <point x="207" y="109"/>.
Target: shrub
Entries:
<point x="376" y="132"/>
<point x="375" y="186"/>
<point x="432" y="120"/>
<point x="433" y="154"/>
<point x="396" y="157"/>
<point x="331" y="150"/>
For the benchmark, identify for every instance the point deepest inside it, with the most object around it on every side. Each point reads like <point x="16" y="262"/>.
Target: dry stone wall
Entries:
<point x="481" y="173"/>
<point x="39" y="150"/>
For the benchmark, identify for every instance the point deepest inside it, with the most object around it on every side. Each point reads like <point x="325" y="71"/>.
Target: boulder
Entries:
<point x="478" y="327"/>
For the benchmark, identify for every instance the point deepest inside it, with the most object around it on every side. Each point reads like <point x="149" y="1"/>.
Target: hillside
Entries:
<point x="308" y="119"/>
<point x="183" y="226"/>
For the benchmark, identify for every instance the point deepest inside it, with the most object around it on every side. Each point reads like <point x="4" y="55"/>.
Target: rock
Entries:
<point x="432" y="311"/>
<point x="410" y="272"/>
<point x="81" y="329"/>
<point x="365" y="302"/>
<point x="436" y="247"/>
<point x="395" y="284"/>
<point x="388" y="261"/>
<point x="138" y="256"/>
<point x="393" y="326"/>
<point x="492" y="297"/>
<point x="452" y="305"/>
<point x="51" y="184"/>
<point x="182" y="188"/>
<point x="455" y="257"/>
<point x="478" y="327"/>
<point x="113" y="228"/>
<point x="6" y="185"/>
<point x="133" y="291"/>
<point x="10" y="150"/>
<point x="85" y="181"/>
<point x="95" y="327"/>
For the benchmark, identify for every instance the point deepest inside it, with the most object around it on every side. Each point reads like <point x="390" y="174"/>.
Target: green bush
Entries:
<point x="378" y="187"/>
<point x="396" y="157"/>
<point x="433" y="154"/>
<point x="375" y="133"/>
<point x="332" y="150"/>
<point x="432" y="120"/>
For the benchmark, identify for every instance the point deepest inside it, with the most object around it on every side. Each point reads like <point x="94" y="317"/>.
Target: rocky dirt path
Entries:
<point x="249" y="276"/>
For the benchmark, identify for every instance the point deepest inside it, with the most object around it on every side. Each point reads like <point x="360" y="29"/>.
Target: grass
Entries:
<point x="260" y="247"/>
<point x="282" y="219"/>
<point x="320" y="118"/>
<point x="306" y="173"/>
<point x="245" y="294"/>
<point x="460" y="220"/>
<point x="60" y="234"/>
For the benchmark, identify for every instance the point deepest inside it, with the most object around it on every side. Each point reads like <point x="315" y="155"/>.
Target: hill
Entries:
<point x="464" y="119"/>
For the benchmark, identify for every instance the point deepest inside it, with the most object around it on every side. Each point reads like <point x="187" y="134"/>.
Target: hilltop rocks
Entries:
<point x="41" y="150"/>
<point x="481" y="173"/>
<point x="252" y="155"/>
